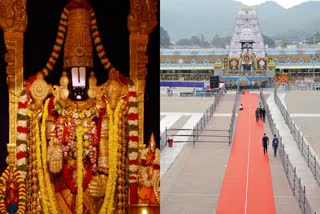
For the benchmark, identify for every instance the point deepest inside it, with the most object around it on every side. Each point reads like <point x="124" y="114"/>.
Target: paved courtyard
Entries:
<point x="192" y="182"/>
<point x="304" y="108"/>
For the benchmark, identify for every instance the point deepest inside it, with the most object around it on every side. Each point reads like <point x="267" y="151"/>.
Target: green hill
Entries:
<point x="183" y="19"/>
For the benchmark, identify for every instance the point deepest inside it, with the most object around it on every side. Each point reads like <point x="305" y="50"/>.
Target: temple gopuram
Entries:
<point x="246" y="54"/>
<point x="81" y="132"/>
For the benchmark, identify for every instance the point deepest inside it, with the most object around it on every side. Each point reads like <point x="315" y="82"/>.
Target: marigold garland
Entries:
<point x="51" y="195"/>
<point x="40" y="171"/>
<point x="22" y="196"/>
<point x="108" y="202"/>
<point x="133" y="108"/>
<point x="133" y="104"/>
<point x="79" y="133"/>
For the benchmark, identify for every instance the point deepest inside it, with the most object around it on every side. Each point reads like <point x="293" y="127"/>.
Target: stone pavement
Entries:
<point x="295" y="157"/>
<point x="169" y="154"/>
<point x="192" y="183"/>
<point x="171" y="107"/>
<point x="306" y="114"/>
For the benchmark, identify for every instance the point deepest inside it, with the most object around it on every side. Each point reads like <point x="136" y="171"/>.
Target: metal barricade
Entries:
<point x="294" y="181"/>
<point x="306" y="150"/>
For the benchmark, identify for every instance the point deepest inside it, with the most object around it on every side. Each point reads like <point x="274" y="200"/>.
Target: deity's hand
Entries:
<point x="55" y="157"/>
<point x="98" y="185"/>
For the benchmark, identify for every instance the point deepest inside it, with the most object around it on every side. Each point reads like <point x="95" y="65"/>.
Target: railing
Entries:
<point x="191" y="135"/>
<point x="163" y="140"/>
<point x="233" y="117"/>
<point x="297" y="188"/>
<point x="306" y="150"/>
<point x="303" y="86"/>
<point x="201" y="124"/>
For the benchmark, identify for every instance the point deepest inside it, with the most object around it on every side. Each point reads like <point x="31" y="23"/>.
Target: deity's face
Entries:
<point x="78" y="88"/>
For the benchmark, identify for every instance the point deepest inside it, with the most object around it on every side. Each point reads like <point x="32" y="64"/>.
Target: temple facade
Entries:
<point x="246" y="54"/>
<point x="247" y="29"/>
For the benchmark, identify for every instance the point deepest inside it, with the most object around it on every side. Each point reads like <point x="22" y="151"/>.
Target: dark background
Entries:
<point x="43" y="20"/>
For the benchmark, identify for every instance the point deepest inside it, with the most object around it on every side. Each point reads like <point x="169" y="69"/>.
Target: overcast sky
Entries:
<point x="283" y="3"/>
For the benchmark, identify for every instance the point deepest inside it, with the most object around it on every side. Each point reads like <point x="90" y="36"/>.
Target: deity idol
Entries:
<point x="78" y="142"/>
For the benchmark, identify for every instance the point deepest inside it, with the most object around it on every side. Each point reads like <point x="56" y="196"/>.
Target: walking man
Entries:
<point x="263" y="114"/>
<point x="275" y="143"/>
<point x="265" y="143"/>
<point x="260" y="111"/>
<point x="257" y="114"/>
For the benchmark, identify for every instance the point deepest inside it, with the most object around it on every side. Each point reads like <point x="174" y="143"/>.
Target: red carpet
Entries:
<point x="247" y="184"/>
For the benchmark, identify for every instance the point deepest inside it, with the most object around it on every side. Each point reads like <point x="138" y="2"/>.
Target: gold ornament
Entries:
<point x="55" y="156"/>
<point x="78" y="44"/>
<point x="64" y="81"/>
<point x="39" y="90"/>
<point x="92" y="91"/>
<point x="115" y="90"/>
<point x="156" y="187"/>
<point x="97" y="186"/>
<point x="246" y="58"/>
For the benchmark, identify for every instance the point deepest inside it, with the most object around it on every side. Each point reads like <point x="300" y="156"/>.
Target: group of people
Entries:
<point x="265" y="144"/>
<point x="260" y="113"/>
<point x="170" y="91"/>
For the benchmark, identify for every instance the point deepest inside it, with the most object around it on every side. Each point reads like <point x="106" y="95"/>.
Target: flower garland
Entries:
<point x="65" y="135"/>
<point x="108" y="202"/>
<point x="59" y="42"/>
<point x="93" y="144"/>
<point x="133" y="146"/>
<point x="51" y="195"/>
<point x="22" y="132"/>
<point x="133" y="113"/>
<point x="22" y="196"/>
<point x="80" y="130"/>
<point x="40" y="171"/>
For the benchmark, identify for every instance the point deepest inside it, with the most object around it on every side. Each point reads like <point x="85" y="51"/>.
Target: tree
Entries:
<point x="164" y="38"/>
<point x="184" y="42"/>
<point x="315" y="38"/>
<point x="269" y="41"/>
<point x="194" y="41"/>
<point x="220" y="42"/>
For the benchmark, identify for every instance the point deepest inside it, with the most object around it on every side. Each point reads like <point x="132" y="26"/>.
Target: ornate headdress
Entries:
<point x="78" y="49"/>
<point x="77" y="31"/>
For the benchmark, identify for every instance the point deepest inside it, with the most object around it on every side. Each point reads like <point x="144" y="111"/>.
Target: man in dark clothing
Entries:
<point x="265" y="143"/>
<point x="275" y="143"/>
<point x="257" y="114"/>
<point x="263" y="114"/>
<point x="260" y="111"/>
